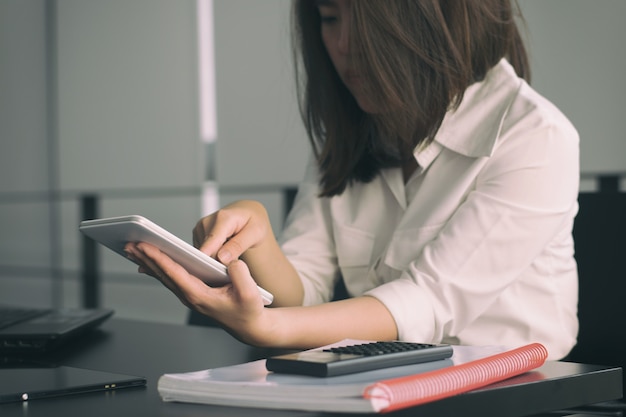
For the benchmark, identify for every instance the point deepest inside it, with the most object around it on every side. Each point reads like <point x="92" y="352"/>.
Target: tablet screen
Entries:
<point x="28" y="383"/>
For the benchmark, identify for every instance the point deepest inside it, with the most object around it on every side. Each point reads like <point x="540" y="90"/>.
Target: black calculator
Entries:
<point x="357" y="358"/>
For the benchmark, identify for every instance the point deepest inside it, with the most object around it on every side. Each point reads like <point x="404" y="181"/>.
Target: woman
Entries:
<point x="442" y="191"/>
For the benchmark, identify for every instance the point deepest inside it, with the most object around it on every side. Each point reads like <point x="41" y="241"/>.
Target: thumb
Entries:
<point x="243" y="283"/>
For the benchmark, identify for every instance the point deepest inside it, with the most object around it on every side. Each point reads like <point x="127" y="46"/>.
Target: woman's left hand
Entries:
<point x="238" y="306"/>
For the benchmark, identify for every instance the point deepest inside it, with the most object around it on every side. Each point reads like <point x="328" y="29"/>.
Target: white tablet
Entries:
<point x="115" y="232"/>
<point x="26" y="382"/>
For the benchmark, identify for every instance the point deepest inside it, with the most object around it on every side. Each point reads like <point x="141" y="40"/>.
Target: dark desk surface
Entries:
<point x="152" y="349"/>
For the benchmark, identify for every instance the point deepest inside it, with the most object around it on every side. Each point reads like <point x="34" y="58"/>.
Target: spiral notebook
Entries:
<point x="251" y="385"/>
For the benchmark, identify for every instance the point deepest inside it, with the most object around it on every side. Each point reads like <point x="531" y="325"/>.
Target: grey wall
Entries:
<point x="25" y="239"/>
<point x="127" y="94"/>
<point x="97" y="97"/>
<point x="261" y="145"/>
<point x="260" y="137"/>
<point x="579" y="61"/>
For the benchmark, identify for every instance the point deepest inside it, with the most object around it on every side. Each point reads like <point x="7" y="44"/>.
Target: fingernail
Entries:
<point x="225" y="257"/>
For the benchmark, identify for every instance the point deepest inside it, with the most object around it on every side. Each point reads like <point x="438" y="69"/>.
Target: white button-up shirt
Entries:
<point x="476" y="248"/>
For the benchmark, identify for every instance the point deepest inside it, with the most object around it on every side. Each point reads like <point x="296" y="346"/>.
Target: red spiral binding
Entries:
<point x="397" y="393"/>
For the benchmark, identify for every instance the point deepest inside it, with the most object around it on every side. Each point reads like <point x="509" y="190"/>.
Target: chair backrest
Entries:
<point x="600" y="244"/>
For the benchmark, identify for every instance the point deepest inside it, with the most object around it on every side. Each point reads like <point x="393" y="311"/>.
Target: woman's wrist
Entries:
<point x="273" y="271"/>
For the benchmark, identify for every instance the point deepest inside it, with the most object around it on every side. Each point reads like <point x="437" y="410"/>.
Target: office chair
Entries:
<point x="600" y="245"/>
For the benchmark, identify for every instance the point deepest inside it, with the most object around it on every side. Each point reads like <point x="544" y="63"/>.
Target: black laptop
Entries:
<point x="24" y="330"/>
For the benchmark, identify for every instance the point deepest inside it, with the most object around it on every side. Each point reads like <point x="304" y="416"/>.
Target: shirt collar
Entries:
<point x="473" y="128"/>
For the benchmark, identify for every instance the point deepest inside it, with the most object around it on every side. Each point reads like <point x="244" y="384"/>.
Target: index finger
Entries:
<point x="213" y="232"/>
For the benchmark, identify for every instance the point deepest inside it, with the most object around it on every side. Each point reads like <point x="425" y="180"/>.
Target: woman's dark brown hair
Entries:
<point x="417" y="58"/>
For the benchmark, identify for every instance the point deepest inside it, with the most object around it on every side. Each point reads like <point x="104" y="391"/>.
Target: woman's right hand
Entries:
<point x="226" y="234"/>
<point x="243" y="230"/>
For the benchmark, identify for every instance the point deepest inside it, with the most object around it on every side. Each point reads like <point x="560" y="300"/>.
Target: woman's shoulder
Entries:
<point x="530" y="111"/>
<point x="497" y="108"/>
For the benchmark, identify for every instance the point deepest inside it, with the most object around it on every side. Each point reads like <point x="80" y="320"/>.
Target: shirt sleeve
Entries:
<point x="523" y="198"/>
<point x="306" y="240"/>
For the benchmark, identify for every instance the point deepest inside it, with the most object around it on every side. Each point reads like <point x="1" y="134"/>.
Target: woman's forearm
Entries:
<point x="363" y="318"/>
<point x="272" y="271"/>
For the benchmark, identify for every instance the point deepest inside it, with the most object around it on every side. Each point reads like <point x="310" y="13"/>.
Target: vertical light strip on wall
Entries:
<point x="206" y="54"/>
<point x="208" y="111"/>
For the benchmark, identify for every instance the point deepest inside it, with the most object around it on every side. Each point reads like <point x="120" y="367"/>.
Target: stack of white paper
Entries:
<point x="251" y="385"/>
